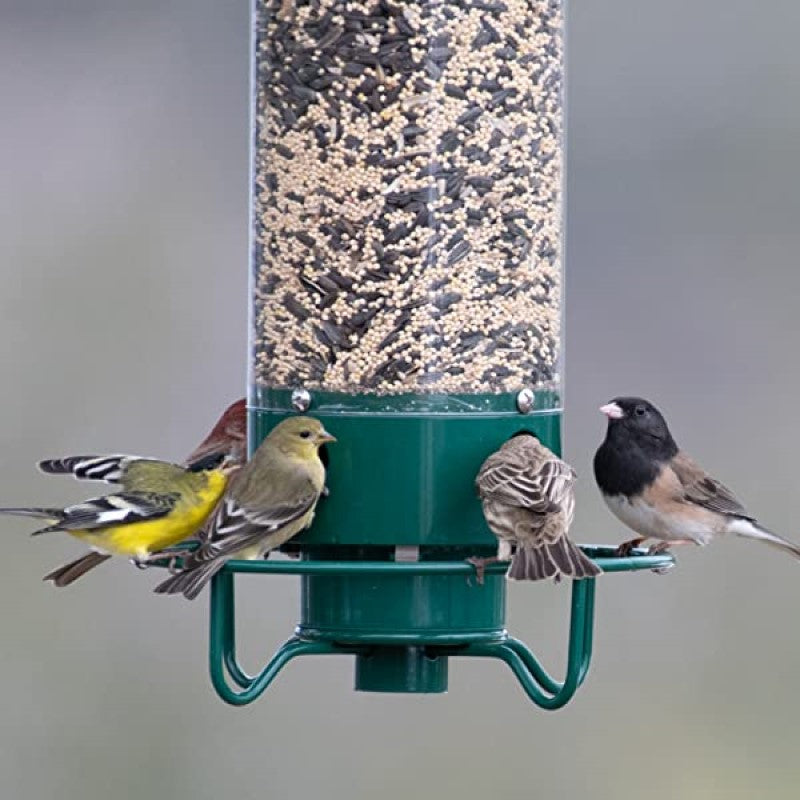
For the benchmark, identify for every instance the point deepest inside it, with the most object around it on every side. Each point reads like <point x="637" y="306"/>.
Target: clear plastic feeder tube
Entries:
<point x="407" y="197"/>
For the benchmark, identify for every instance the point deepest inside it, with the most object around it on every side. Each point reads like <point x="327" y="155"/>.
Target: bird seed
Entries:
<point x="407" y="202"/>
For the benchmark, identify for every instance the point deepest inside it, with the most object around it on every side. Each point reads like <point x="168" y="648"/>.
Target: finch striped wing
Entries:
<point x="132" y="472"/>
<point x="108" y="469"/>
<point x="235" y="526"/>
<point x="703" y="490"/>
<point x="115" y="509"/>
<point x="526" y="480"/>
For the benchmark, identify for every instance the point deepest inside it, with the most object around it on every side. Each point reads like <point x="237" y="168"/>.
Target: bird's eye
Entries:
<point x="639" y="411"/>
<point x="305" y="434"/>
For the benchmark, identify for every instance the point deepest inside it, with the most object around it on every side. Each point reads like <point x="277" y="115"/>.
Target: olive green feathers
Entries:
<point x="270" y="500"/>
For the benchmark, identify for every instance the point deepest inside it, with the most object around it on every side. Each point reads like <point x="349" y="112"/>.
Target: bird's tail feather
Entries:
<point x="191" y="582"/>
<point x="752" y="530"/>
<point x="53" y="515"/>
<point x="64" y="576"/>
<point x="551" y="560"/>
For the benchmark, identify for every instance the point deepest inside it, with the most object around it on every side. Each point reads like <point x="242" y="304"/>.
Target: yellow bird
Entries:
<point x="270" y="499"/>
<point x="160" y="505"/>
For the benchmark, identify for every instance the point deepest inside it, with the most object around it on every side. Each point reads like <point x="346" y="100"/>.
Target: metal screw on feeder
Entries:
<point x="525" y="401"/>
<point x="301" y="400"/>
<point x="407" y="270"/>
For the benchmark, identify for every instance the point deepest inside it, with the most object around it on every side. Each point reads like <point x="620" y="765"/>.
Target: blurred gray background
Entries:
<point x="123" y="245"/>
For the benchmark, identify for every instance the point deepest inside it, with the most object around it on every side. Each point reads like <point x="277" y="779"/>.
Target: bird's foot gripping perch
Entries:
<point x="627" y="548"/>
<point x="163" y="558"/>
<point x="658" y="548"/>
<point x="480" y="565"/>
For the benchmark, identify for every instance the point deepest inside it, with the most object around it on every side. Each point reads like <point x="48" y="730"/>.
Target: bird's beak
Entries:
<point x="612" y="411"/>
<point x="324" y="436"/>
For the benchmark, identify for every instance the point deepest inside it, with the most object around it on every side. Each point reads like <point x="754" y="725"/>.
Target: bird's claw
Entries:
<point x="171" y="558"/>
<point x="479" y="565"/>
<point x="661" y="548"/>
<point x="626" y="548"/>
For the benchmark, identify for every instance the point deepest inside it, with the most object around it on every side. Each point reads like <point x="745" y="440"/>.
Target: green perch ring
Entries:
<point x="383" y="614"/>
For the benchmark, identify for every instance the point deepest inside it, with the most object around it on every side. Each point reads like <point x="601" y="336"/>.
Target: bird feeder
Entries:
<point x="407" y="251"/>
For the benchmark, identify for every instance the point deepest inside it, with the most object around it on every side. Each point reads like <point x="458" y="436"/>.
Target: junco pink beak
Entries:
<point x="612" y="411"/>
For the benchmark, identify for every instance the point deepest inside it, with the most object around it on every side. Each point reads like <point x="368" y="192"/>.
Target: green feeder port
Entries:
<point x="406" y="289"/>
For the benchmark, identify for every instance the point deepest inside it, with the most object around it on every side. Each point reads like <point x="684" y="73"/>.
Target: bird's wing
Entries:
<point x="152" y="476"/>
<point x="528" y="477"/>
<point x="116" y="509"/>
<point x="132" y="472"/>
<point x="236" y="525"/>
<point x="700" y="488"/>
<point x="109" y="469"/>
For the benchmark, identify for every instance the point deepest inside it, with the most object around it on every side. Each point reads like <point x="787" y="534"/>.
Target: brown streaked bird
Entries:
<point x="528" y="500"/>
<point x="653" y="487"/>
<point x="270" y="500"/>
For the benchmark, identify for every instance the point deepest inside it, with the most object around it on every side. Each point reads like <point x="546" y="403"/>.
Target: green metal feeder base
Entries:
<point x="410" y="669"/>
<point x="381" y="613"/>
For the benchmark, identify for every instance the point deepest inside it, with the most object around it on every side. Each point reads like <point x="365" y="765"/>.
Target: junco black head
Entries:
<point x="528" y="500"/>
<point x="658" y="491"/>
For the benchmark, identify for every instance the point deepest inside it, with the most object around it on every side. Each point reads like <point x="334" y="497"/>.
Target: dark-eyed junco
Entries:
<point x="528" y="500"/>
<point x="658" y="491"/>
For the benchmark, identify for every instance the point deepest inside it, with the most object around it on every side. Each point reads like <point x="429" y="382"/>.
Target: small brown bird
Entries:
<point x="528" y="500"/>
<point x="269" y="500"/>
<point x="652" y="486"/>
